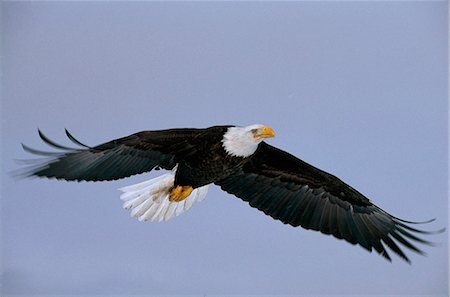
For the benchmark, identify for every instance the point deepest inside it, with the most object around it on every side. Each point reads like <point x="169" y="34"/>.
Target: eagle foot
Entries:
<point x="179" y="193"/>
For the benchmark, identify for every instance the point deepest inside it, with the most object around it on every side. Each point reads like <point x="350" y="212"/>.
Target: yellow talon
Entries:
<point x="179" y="193"/>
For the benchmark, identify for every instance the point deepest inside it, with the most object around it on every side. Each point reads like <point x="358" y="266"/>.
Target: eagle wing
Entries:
<point x="296" y="193"/>
<point x="123" y="157"/>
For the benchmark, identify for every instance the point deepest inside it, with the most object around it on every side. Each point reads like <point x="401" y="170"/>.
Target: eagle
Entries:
<point x="240" y="162"/>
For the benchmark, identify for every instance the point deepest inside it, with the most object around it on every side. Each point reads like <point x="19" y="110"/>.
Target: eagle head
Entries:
<point x="243" y="141"/>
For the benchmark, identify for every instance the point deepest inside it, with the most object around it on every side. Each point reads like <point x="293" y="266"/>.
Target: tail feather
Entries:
<point x="150" y="187"/>
<point x="144" y="184"/>
<point x="149" y="200"/>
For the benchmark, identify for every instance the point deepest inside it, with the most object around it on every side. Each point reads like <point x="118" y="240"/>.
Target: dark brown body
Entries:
<point x="208" y="162"/>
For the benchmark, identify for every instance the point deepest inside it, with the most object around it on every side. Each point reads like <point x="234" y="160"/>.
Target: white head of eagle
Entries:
<point x="243" y="141"/>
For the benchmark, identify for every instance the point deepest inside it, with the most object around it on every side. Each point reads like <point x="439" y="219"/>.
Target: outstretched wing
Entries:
<point x="134" y="154"/>
<point x="296" y="193"/>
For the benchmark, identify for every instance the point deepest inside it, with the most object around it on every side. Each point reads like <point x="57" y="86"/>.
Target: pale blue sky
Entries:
<point x="357" y="89"/>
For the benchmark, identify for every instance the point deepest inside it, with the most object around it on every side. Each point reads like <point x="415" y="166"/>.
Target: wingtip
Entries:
<point x="26" y="147"/>
<point x="74" y="140"/>
<point x="416" y="222"/>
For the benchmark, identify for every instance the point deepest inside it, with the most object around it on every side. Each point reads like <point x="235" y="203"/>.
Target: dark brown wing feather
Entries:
<point x="296" y="193"/>
<point x="134" y="154"/>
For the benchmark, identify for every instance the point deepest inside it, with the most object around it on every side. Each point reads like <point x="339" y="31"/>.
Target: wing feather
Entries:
<point x="52" y="143"/>
<point x="74" y="140"/>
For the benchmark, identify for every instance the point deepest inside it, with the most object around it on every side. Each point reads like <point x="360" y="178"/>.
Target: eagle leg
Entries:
<point x="179" y="193"/>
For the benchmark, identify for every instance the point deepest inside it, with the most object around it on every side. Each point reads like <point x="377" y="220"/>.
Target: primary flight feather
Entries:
<point x="236" y="159"/>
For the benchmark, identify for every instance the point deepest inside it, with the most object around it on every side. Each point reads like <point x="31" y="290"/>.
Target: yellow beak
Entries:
<point x="266" y="132"/>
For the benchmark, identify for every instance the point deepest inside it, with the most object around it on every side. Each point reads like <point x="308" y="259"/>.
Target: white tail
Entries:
<point x="149" y="200"/>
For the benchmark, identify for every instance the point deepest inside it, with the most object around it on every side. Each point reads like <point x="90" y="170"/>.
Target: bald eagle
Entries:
<point x="241" y="163"/>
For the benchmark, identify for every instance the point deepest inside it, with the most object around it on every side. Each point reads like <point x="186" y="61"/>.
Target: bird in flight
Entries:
<point x="239" y="161"/>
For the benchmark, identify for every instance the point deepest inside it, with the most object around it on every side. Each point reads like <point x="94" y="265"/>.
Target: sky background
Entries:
<point x="356" y="89"/>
